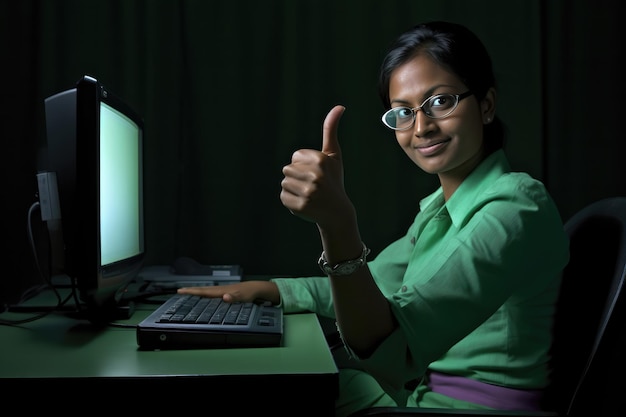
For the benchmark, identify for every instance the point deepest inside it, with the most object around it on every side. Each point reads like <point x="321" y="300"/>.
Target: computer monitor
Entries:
<point x="95" y="148"/>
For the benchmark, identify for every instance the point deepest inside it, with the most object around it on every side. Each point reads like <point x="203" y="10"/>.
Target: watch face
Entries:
<point x="347" y="269"/>
<point x="343" y="268"/>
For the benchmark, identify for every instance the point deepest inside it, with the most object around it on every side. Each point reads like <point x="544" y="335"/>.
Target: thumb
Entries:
<point x="330" y="142"/>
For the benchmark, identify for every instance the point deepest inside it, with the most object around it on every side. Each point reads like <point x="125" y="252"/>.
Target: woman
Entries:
<point x="457" y="313"/>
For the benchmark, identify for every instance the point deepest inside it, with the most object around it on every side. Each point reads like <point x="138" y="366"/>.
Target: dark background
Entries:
<point x="228" y="90"/>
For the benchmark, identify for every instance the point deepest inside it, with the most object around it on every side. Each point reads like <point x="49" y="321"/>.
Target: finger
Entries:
<point x="208" y="292"/>
<point x="201" y="291"/>
<point x="229" y="298"/>
<point x="330" y="141"/>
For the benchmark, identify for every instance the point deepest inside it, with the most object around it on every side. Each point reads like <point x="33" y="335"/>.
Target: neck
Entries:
<point x="451" y="180"/>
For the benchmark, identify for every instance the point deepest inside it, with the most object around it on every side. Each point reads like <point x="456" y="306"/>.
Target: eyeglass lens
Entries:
<point x="436" y="107"/>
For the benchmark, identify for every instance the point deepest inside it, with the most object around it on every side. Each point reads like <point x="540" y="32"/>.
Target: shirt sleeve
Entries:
<point x="305" y="294"/>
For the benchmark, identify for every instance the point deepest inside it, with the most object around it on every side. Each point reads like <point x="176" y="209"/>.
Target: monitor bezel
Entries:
<point x="75" y="157"/>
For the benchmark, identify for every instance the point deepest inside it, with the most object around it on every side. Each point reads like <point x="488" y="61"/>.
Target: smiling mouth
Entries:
<point x="432" y="147"/>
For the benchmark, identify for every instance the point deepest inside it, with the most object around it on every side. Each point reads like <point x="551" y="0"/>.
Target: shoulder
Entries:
<point x="494" y="182"/>
<point x="515" y="201"/>
<point x="518" y="186"/>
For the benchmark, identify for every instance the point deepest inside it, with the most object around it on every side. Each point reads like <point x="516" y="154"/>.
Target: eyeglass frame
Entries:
<point x="457" y="97"/>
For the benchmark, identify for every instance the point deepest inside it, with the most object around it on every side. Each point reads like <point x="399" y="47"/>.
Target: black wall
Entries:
<point x="229" y="90"/>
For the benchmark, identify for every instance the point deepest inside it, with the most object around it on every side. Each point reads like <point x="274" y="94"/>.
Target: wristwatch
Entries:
<point x="345" y="267"/>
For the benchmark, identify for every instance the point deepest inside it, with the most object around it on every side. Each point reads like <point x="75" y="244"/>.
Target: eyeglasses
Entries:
<point x="435" y="107"/>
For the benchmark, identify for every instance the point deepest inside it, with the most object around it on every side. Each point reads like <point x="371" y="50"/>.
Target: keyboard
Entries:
<point x="188" y="321"/>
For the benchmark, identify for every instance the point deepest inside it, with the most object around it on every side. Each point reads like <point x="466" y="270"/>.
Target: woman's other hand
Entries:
<point x="246" y="291"/>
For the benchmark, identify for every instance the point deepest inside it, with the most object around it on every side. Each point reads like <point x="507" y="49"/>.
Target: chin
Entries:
<point x="431" y="165"/>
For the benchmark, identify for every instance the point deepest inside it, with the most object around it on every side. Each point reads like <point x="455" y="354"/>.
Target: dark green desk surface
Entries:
<point x="59" y="354"/>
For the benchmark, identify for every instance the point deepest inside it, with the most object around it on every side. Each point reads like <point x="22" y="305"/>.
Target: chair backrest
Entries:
<point x="585" y="325"/>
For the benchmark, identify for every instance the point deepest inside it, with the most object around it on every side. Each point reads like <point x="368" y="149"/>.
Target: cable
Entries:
<point x="36" y="289"/>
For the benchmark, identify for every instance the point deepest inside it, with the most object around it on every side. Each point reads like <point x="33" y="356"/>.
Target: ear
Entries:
<point x="488" y="106"/>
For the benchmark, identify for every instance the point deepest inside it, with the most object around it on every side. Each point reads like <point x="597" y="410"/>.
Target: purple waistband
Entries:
<point x="501" y="398"/>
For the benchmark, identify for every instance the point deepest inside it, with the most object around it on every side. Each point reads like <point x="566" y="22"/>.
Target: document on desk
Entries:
<point x="191" y="322"/>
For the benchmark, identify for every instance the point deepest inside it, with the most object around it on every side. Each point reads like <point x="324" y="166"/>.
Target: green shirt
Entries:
<point x="472" y="284"/>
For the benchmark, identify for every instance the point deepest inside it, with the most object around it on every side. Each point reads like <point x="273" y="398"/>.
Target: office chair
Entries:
<point x="589" y="332"/>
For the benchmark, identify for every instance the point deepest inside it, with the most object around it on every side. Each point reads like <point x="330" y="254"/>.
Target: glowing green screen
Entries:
<point x="120" y="188"/>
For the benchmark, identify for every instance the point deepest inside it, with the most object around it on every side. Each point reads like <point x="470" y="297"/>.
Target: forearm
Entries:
<point x="361" y="310"/>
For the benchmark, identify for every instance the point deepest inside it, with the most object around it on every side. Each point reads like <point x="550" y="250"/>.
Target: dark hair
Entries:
<point x="455" y="48"/>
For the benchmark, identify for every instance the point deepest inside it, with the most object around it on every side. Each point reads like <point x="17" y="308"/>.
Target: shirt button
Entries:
<point x="403" y="288"/>
<point x="413" y="241"/>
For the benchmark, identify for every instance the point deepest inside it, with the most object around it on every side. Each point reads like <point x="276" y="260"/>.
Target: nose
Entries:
<point x="423" y="123"/>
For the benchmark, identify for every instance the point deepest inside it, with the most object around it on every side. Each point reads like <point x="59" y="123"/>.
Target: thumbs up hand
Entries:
<point x="313" y="186"/>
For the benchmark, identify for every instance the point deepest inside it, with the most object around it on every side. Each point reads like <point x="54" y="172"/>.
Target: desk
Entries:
<point x="59" y="356"/>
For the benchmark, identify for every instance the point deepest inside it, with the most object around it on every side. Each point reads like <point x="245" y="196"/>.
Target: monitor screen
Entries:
<point x="120" y="190"/>
<point x="95" y="148"/>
